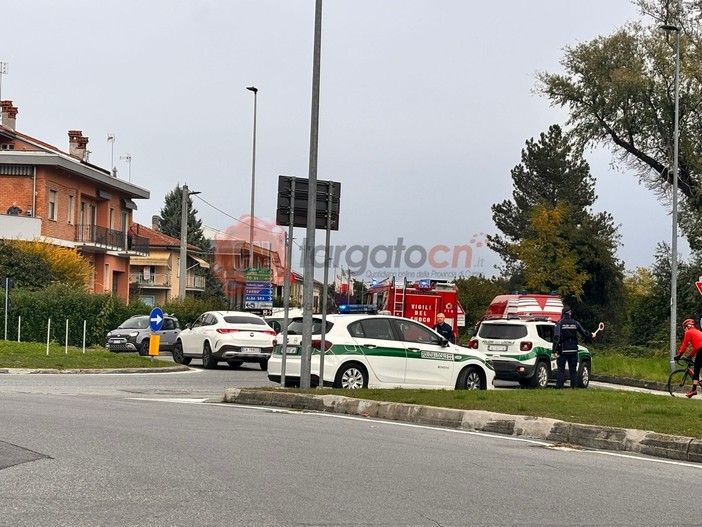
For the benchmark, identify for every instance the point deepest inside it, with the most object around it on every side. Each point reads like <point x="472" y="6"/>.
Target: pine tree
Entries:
<point x="554" y="176"/>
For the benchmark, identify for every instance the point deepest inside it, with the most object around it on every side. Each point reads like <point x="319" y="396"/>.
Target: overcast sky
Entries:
<point x="425" y="105"/>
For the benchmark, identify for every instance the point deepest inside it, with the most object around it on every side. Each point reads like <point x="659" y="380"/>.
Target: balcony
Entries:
<point x="25" y="228"/>
<point x="154" y="280"/>
<point x="194" y="282"/>
<point x="93" y="238"/>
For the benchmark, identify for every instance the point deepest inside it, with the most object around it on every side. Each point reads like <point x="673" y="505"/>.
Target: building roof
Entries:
<point x="47" y="154"/>
<point x="158" y="240"/>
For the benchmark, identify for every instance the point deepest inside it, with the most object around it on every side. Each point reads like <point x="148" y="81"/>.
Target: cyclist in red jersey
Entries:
<point x="693" y="337"/>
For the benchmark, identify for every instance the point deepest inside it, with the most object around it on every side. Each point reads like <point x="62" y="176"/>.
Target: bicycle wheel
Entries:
<point x="679" y="383"/>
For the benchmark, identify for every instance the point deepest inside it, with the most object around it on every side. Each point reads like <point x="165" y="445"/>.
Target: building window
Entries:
<point x="52" y="205"/>
<point x="125" y="220"/>
<point x="112" y="219"/>
<point x="71" y="208"/>
<point x="106" y="279"/>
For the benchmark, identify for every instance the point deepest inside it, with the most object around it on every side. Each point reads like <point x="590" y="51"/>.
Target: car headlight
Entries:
<point x="133" y="333"/>
<point x="109" y="334"/>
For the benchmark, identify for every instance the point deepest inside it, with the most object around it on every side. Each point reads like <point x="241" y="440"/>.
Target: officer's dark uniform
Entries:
<point x="446" y="331"/>
<point x="565" y="345"/>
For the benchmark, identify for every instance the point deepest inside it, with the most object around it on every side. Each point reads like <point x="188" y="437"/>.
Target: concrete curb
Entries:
<point x="165" y="369"/>
<point x="590" y="436"/>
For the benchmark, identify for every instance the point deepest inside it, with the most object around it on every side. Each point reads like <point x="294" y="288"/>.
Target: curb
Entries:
<point x="590" y="436"/>
<point x="41" y="371"/>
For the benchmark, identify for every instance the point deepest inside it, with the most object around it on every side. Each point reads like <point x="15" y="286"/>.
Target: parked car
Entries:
<point x="134" y="333"/>
<point x="232" y="336"/>
<point x="521" y="350"/>
<point x="379" y="351"/>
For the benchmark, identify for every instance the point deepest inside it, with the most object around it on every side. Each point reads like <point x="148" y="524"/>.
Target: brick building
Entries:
<point x="66" y="200"/>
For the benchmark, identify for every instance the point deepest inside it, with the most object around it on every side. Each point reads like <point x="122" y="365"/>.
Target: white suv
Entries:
<point x="378" y="351"/>
<point x="521" y="350"/>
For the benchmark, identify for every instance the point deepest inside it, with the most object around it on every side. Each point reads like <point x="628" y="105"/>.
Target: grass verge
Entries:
<point x="33" y="355"/>
<point x="657" y="413"/>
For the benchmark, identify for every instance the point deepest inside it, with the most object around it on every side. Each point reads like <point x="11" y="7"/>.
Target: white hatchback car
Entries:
<point x="232" y="336"/>
<point x="378" y="351"/>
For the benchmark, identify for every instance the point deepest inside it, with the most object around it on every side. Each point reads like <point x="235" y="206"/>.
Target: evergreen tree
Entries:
<point x="170" y="224"/>
<point x="553" y="176"/>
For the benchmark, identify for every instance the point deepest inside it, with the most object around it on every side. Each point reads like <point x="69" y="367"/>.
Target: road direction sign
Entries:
<point x="156" y="319"/>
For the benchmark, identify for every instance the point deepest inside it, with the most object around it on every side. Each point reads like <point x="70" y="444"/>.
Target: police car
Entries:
<point x="521" y="350"/>
<point x="380" y="351"/>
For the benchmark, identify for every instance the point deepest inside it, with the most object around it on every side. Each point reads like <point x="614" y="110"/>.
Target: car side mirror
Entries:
<point x="444" y="342"/>
<point x="188" y="326"/>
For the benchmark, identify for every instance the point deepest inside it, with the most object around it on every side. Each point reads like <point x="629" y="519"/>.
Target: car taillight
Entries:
<point x="473" y="344"/>
<point x="272" y="333"/>
<point x="317" y="344"/>
<point x="524" y="346"/>
<point x="227" y="330"/>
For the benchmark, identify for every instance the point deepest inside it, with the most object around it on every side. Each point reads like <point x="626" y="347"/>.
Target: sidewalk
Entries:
<point x="590" y="436"/>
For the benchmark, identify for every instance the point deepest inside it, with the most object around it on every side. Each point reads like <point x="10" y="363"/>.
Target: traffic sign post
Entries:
<point x="258" y="294"/>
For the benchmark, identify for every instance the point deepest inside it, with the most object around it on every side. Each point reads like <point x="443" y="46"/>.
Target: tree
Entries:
<point x="551" y="237"/>
<point x="619" y="91"/>
<point x="551" y="264"/>
<point x="170" y="224"/>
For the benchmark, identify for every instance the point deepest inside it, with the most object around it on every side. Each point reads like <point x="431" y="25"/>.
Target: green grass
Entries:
<point x="33" y="355"/>
<point x="658" y="413"/>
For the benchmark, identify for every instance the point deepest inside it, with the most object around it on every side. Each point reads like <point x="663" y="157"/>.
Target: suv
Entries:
<point x="521" y="350"/>
<point x="133" y="335"/>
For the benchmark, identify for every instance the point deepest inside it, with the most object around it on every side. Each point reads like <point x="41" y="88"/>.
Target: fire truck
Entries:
<point x="420" y="301"/>
<point x="524" y="306"/>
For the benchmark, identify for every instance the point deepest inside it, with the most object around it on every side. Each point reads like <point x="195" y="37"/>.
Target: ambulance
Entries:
<point x="421" y="300"/>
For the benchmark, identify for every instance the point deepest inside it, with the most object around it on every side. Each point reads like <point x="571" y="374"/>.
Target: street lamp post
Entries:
<point x="253" y="179"/>
<point x="674" y="241"/>
<point x="182" y="267"/>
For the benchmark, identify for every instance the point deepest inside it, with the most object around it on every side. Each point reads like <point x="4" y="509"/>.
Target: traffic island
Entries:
<point x="537" y="428"/>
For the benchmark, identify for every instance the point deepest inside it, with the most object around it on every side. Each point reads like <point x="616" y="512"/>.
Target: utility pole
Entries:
<point x="182" y="283"/>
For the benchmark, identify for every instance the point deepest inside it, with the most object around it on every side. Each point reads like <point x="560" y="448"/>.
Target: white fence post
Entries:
<point x="66" y="336"/>
<point x="48" y="334"/>
<point x="19" y="327"/>
<point x="84" y="322"/>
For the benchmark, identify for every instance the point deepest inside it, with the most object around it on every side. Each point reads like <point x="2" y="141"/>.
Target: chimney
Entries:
<point x="77" y="144"/>
<point x="155" y="221"/>
<point x="9" y="114"/>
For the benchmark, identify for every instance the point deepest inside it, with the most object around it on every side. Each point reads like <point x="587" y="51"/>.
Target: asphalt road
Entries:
<point x="144" y="450"/>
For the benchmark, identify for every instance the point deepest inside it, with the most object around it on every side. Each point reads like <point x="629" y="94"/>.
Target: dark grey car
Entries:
<point x="134" y="334"/>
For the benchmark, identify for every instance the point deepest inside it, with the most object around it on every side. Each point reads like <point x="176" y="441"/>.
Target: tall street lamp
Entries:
<point x="674" y="241"/>
<point x="253" y="180"/>
<point x="182" y="267"/>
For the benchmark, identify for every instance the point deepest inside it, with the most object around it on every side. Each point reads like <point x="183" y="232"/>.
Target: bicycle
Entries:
<point x="680" y="381"/>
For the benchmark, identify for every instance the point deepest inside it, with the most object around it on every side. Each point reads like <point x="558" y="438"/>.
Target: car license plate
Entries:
<point x="496" y="347"/>
<point x="291" y="351"/>
<point x="251" y="350"/>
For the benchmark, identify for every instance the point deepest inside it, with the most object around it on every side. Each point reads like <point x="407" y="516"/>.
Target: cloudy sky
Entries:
<point x="425" y="106"/>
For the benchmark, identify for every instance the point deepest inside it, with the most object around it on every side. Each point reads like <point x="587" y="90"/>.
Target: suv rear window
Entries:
<point x="502" y="331"/>
<point x="238" y="319"/>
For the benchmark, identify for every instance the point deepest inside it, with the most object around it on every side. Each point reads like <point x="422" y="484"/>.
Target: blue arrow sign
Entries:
<point x="156" y="319"/>
<point x="257" y="298"/>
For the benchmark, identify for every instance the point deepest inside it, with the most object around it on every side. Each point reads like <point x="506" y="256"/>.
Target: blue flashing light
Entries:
<point x="357" y="308"/>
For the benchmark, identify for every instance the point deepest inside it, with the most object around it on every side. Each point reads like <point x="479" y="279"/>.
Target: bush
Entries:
<point x="30" y="312"/>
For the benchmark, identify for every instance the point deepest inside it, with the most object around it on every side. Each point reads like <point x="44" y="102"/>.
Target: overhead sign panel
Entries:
<point x="293" y="197"/>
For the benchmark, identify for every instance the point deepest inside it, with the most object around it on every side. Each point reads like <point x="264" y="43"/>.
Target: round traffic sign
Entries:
<point x="156" y="319"/>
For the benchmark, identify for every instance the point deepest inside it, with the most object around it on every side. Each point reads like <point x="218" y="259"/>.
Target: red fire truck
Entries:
<point x="420" y="301"/>
<point x="525" y="305"/>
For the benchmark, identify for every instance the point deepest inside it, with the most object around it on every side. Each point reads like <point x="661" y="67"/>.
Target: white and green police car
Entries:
<point x="521" y="350"/>
<point x="379" y="351"/>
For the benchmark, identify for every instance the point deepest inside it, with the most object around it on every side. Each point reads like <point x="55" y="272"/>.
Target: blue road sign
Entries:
<point x="156" y="319"/>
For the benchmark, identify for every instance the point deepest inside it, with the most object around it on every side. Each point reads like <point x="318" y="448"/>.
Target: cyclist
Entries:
<point x="693" y="337"/>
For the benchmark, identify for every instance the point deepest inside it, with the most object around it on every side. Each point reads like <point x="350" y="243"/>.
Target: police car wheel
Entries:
<point x="584" y="375"/>
<point x="540" y="378"/>
<point x="351" y="376"/>
<point x="471" y="379"/>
